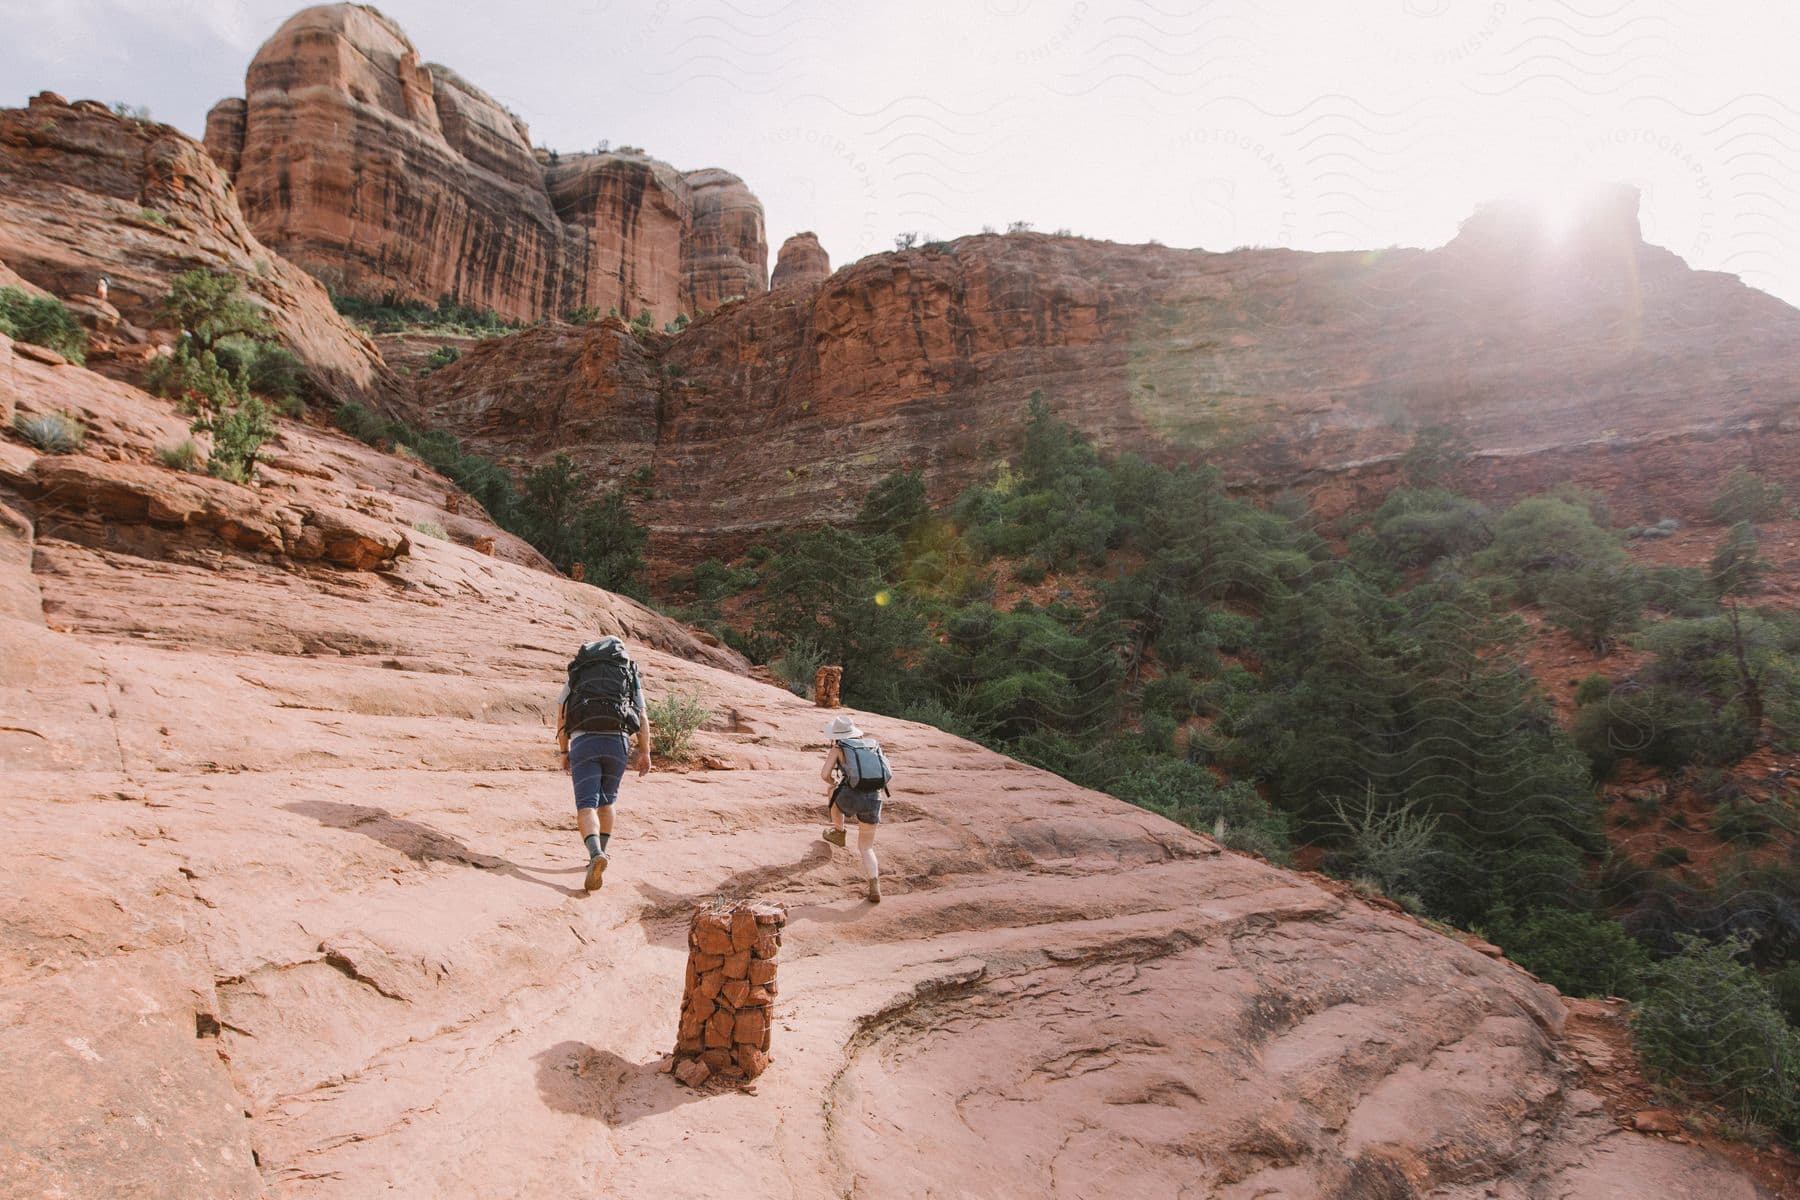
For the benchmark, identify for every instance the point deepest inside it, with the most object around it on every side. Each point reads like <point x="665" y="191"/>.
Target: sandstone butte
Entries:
<point x="384" y="175"/>
<point x="1594" y="358"/>
<point x="293" y="905"/>
<point x="89" y="195"/>
<point x="801" y="260"/>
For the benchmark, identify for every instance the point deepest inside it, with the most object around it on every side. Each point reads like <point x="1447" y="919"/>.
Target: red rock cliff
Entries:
<point x="381" y="174"/>
<point x="1597" y="358"/>
<point x="86" y="194"/>
<point x="802" y="260"/>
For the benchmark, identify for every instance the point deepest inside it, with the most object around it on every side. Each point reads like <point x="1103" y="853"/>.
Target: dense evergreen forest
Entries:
<point x="1356" y="696"/>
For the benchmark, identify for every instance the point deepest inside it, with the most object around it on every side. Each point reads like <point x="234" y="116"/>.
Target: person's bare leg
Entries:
<point x="865" y="848"/>
<point x="591" y="822"/>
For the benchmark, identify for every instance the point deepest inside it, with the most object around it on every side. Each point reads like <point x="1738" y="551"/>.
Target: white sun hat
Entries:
<point x="842" y="727"/>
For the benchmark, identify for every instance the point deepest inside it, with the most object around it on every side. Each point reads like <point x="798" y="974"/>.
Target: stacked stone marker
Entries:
<point x="730" y="987"/>
<point x="826" y="683"/>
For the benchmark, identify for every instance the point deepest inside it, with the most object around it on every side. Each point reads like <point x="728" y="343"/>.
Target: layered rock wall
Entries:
<point x="1595" y="358"/>
<point x="383" y="175"/>
<point x="86" y="194"/>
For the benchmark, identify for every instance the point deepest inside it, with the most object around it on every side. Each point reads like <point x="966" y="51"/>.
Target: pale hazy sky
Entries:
<point x="1313" y="125"/>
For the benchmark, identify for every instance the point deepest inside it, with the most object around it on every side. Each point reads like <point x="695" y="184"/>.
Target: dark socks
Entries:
<point x="595" y="843"/>
<point x="605" y="838"/>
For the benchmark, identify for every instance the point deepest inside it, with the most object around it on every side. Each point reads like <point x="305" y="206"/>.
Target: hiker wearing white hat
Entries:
<point x="856" y="776"/>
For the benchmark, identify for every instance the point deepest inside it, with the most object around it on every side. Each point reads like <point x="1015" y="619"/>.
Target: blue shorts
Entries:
<point x="861" y="806"/>
<point x="597" y="764"/>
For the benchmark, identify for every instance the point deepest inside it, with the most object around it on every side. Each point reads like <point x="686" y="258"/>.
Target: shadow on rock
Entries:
<point x="421" y="843"/>
<point x="576" y="1078"/>
<point x="756" y="882"/>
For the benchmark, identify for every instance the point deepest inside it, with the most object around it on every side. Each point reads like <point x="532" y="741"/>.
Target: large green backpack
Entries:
<point x="603" y="689"/>
<point x="865" y="766"/>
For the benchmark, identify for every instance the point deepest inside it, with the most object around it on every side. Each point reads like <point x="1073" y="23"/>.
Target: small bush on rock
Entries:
<point x="53" y="433"/>
<point x="180" y="456"/>
<point x="798" y="664"/>
<point x="673" y="720"/>
<point x="442" y="357"/>
<point x="42" y="321"/>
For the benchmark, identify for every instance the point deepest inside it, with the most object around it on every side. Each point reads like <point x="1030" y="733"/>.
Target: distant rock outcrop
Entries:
<point x="86" y="194"/>
<point x="1589" y="356"/>
<point x="802" y="260"/>
<point x="381" y="174"/>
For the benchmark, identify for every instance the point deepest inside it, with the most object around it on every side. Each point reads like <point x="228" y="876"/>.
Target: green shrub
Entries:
<point x="1417" y="527"/>
<point x="210" y="307"/>
<point x="1593" y="689"/>
<point x="1192" y="796"/>
<point x="392" y="314"/>
<point x="798" y="664"/>
<point x="1389" y="843"/>
<point x="1741" y="819"/>
<point x="275" y="372"/>
<point x="1544" y="534"/>
<point x="894" y="506"/>
<point x="1685" y="592"/>
<point x="1596" y="604"/>
<point x="52" y="433"/>
<point x="1437" y="453"/>
<point x="555" y="511"/>
<point x="180" y="456"/>
<point x="1735" y="567"/>
<point x="1578" y="953"/>
<point x="673" y="720"/>
<point x="1659" y="726"/>
<point x="1707" y="1020"/>
<point x="442" y="357"/>
<point x="220" y="403"/>
<point x="1745" y="497"/>
<point x="1672" y="856"/>
<point x="42" y="321"/>
<point x="432" y="529"/>
<point x="1784" y="986"/>
<point x="238" y="433"/>
<point x="363" y="423"/>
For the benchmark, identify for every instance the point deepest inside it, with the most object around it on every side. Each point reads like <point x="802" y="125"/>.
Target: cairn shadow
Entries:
<point x="659" y="914"/>
<point x="578" y="1079"/>
<point x="421" y="843"/>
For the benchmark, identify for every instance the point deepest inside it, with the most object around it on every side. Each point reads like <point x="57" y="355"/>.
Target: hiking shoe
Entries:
<point x="596" y="871"/>
<point x="834" y="836"/>
<point x="874" y="891"/>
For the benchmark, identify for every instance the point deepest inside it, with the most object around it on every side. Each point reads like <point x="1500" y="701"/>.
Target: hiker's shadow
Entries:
<point x="421" y="843"/>
<point x="663" y="906"/>
<point x="576" y="1078"/>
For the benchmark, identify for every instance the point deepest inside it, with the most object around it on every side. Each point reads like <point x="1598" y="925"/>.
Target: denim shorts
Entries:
<point x="597" y="764"/>
<point x="860" y="806"/>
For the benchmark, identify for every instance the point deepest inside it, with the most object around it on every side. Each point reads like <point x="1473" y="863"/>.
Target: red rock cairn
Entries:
<point x="730" y="988"/>
<point x="827" y="682"/>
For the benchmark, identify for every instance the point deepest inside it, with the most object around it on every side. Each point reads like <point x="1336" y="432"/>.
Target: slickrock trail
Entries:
<point x="292" y="907"/>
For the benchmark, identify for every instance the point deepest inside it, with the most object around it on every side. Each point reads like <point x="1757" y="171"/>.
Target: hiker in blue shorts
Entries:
<point x="600" y="708"/>
<point x="856" y="776"/>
